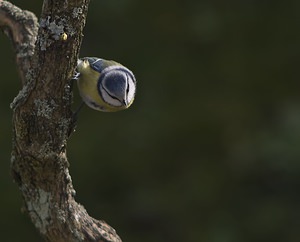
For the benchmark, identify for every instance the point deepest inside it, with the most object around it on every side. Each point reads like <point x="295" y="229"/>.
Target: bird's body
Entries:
<point x="105" y="85"/>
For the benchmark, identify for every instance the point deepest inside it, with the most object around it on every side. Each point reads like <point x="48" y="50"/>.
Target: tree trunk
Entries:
<point x="46" y="56"/>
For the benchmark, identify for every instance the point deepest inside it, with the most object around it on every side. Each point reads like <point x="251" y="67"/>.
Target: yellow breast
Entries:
<point x="88" y="90"/>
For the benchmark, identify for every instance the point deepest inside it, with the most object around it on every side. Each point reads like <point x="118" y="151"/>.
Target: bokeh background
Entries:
<point x="210" y="150"/>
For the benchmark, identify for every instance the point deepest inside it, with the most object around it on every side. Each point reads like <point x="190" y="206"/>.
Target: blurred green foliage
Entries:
<point x="210" y="150"/>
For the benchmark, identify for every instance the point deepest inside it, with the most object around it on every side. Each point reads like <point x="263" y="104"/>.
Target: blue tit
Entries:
<point x="105" y="85"/>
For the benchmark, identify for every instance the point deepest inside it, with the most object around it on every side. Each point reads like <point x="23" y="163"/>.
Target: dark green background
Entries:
<point x="210" y="149"/>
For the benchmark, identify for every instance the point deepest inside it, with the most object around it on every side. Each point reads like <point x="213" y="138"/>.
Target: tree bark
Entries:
<point x="46" y="57"/>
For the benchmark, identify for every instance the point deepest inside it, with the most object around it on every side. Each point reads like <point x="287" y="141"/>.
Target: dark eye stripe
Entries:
<point x="127" y="88"/>
<point x="113" y="97"/>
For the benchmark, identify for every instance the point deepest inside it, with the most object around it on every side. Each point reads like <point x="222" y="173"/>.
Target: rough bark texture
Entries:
<point x="46" y="55"/>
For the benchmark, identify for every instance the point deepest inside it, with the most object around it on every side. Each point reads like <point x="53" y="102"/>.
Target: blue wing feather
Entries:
<point x="96" y="63"/>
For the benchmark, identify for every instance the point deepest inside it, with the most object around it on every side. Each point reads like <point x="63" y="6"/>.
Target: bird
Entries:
<point x="105" y="85"/>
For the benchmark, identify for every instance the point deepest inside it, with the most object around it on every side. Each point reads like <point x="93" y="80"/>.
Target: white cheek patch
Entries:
<point x="110" y="100"/>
